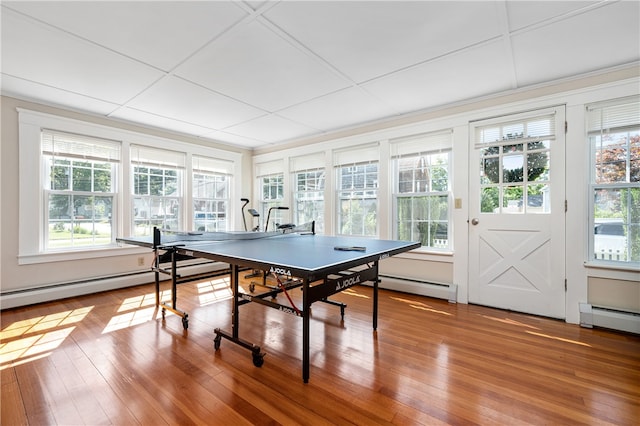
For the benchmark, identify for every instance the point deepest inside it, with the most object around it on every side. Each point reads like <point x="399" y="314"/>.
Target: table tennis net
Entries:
<point x="169" y="237"/>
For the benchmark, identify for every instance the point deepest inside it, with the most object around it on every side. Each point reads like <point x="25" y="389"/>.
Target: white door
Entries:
<point x="517" y="211"/>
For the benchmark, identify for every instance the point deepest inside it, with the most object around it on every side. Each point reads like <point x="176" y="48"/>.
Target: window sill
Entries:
<point x="614" y="271"/>
<point x="425" y="254"/>
<point x="32" y="259"/>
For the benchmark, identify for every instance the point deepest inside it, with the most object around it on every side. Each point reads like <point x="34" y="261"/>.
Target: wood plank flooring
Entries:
<point x="109" y="358"/>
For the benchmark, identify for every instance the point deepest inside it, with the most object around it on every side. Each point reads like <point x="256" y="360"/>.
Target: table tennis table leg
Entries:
<point x="306" y="309"/>
<point x="156" y="270"/>
<point x="375" y="297"/>
<point x="257" y="354"/>
<point x="174" y="290"/>
<point x="235" y="323"/>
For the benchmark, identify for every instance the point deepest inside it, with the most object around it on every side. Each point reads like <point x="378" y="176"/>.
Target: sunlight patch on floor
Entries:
<point x="36" y="337"/>
<point x="140" y="316"/>
<point x="214" y="291"/>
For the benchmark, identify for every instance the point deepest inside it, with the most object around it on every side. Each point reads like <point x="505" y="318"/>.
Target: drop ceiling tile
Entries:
<point x="233" y="139"/>
<point x="458" y="77"/>
<point x="525" y="13"/>
<point x="347" y="107"/>
<point x="159" y="33"/>
<point x="372" y="38"/>
<point x="601" y="38"/>
<point x="134" y="116"/>
<point x="17" y="87"/>
<point x="271" y="129"/>
<point x="182" y="100"/>
<point x="256" y="66"/>
<point x="53" y="58"/>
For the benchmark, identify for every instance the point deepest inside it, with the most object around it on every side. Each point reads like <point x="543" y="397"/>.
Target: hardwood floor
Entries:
<point x="109" y="358"/>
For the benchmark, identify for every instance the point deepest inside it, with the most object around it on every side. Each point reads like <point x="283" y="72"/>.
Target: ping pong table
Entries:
<point x="317" y="264"/>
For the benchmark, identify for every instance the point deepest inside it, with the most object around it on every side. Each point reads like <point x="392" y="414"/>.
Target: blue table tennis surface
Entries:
<point x="305" y="252"/>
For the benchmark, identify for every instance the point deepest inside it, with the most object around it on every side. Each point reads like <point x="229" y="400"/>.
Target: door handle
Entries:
<point x="475" y="221"/>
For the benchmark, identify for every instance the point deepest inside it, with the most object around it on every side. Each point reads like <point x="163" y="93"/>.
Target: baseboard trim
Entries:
<point x="614" y="319"/>
<point x="31" y="296"/>
<point x="423" y="288"/>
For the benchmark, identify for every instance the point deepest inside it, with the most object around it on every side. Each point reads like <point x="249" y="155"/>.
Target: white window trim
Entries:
<point x="617" y="269"/>
<point x="31" y="202"/>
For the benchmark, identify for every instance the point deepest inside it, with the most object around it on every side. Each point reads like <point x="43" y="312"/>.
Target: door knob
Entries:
<point x="475" y="221"/>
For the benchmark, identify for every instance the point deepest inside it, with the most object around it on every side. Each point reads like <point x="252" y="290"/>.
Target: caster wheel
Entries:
<point x="252" y="288"/>
<point x="164" y="311"/>
<point x="216" y="342"/>
<point x="258" y="360"/>
<point x="185" y="323"/>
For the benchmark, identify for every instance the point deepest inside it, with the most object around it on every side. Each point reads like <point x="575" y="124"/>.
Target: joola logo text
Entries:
<point x="280" y="271"/>
<point x="347" y="282"/>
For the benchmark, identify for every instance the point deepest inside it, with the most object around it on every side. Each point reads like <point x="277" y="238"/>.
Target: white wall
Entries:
<point x="440" y="267"/>
<point x="55" y="274"/>
<point x="452" y="267"/>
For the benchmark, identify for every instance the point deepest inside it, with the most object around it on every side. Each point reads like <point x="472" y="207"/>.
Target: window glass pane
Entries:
<point x="512" y="166"/>
<point x="512" y="199"/>
<point x="611" y="157"/>
<point x="490" y="170"/>
<point x="102" y="178"/>
<point x="616" y="224"/>
<point x="537" y="199"/>
<point x="634" y="157"/>
<point x="81" y="176"/>
<point x="538" y="166"/>
<point x="490" y="200"/>
<point x="60" y="174"/>
<point x="171" y="183"/>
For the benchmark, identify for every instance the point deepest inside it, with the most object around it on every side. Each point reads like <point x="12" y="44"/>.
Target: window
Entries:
<point x="422" y="189"/>
<point x="211" y="185"/>
<point x="79" y="190"/>
<point x="157" y="189"/>
<point x="271" y="196"/>
<point x="357" y="191"/>
<point x="515" y="159"/>
<point x="613" y="130"/>
<point x="309" y="198"/>
<point x="308" y="194"/>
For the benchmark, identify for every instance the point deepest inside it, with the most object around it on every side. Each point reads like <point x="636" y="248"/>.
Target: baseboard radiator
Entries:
<point x="423" y="288"/>
<point x="30" y="296"/>
<point x="614" y="319"/>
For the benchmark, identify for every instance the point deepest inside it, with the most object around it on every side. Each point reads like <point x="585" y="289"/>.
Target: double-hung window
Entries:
<point x="211" y="185"/>
<point x="157" y="189"/>
<point x="270" y="179"/>
<point x="613" y="131"/>
<point x="422" y="189"/>
<point x="308" y="195"/>
<point x="357" y="190"/>
<point x="80" y="190"/>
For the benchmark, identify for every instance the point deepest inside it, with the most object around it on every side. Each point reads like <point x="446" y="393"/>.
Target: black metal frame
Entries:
<point x="318" y="290"/>
<point x="170" y="254"/>
<point x="316" y="285"/>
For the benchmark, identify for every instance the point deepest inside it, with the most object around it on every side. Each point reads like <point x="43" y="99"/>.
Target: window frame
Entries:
<point x="157" y="164"/>
<point x="75" y="154"/>
<point x="31" y="200"/>
<point x="219" y="172"/>
<point x="368" y="193"/>
<point x="594" y="133"/>
<point x="415" y="148"/>
<point x="266" y="204"/>
<point x="318" y="202"/>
